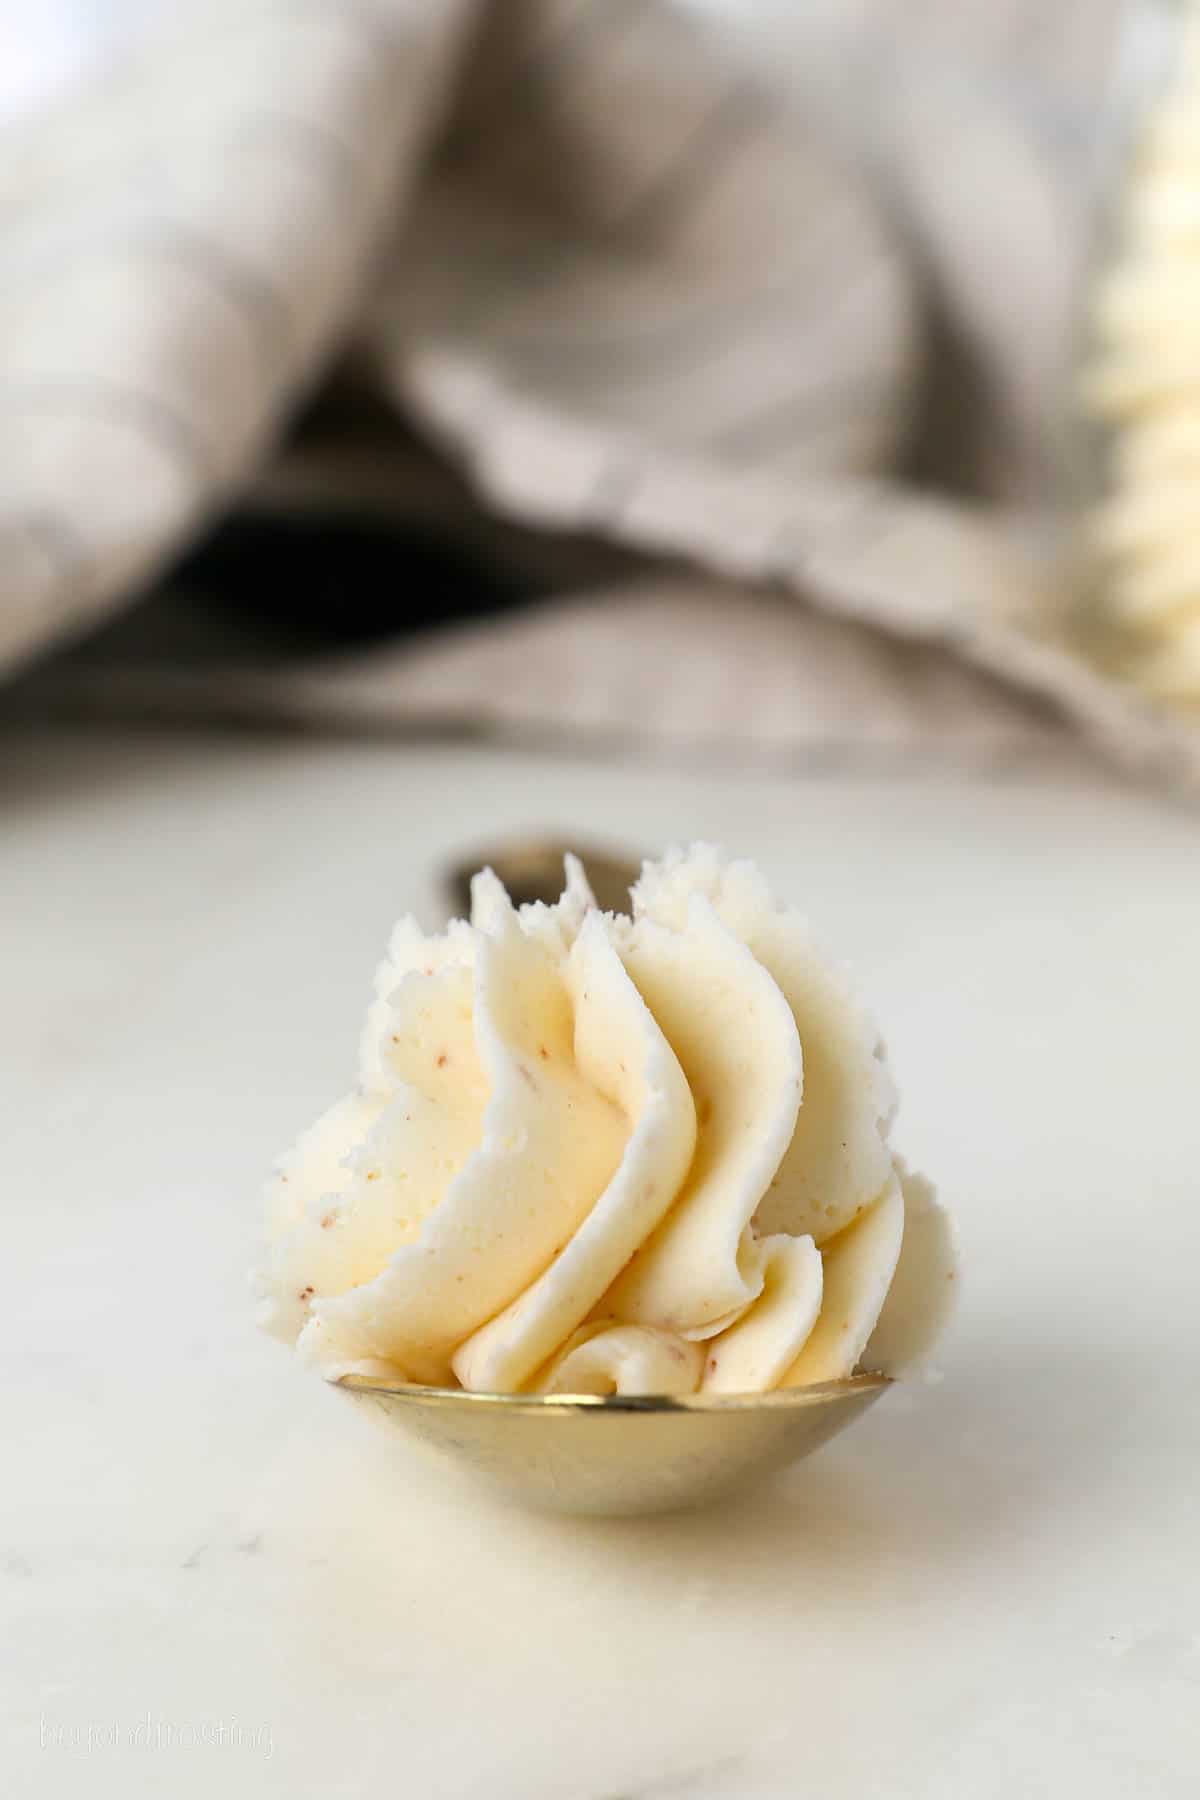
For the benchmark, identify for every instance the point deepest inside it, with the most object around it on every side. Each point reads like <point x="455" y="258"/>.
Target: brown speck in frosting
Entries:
<point x="526" y="1076"/>
<point x="373" y="1174"/>
<point x="305" y="1293"/>
<point x="543" y="1053"/>
<point x="442" y="1059"/>
<point x="328" y="1220"/>
<point x="395" y="1038"/>
<point x="429" y="971"/>
<point x="712" y="1363"/>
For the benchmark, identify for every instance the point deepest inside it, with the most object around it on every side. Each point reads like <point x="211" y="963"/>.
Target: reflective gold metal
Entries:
<point x="586" y="1454"/>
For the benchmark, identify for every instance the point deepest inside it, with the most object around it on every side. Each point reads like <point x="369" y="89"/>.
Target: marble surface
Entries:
<point x="216" y="1577"/>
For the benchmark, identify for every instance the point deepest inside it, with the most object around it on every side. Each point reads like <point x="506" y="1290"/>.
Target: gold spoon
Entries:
<point x="581" y="1453"/>
<point x="587" y="1453"/>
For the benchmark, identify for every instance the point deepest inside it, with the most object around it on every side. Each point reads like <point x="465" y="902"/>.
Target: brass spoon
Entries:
<point x="580" y="1453"/>
<point x="584" y="1453"/>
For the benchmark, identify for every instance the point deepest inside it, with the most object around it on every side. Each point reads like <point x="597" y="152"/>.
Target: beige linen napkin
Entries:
<point x="624" y="275"/>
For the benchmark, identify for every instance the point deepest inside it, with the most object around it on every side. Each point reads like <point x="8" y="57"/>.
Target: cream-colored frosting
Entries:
<point x="1142" y="384"/>
<point x="598" y="1153"/>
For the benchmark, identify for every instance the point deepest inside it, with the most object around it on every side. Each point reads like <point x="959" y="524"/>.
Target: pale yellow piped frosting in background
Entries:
<point x="592" y="1153"/>
<point x="1142" y="386"/>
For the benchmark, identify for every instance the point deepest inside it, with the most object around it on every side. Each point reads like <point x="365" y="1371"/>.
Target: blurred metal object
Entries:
<point x="586" y="1454"/>
<point x="532" y="869"/>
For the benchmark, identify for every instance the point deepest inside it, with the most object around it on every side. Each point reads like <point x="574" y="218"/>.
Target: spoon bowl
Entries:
<point x="583" y="1453"/>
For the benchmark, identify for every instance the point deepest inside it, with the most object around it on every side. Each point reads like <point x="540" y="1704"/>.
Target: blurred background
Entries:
<point x="396" y="368"/>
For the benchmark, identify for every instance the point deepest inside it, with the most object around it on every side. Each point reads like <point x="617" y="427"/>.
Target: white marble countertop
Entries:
<point x="217" y="1578"/>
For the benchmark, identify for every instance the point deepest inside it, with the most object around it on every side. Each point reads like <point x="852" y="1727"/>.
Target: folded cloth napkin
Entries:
<point x="639" y="285"/>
